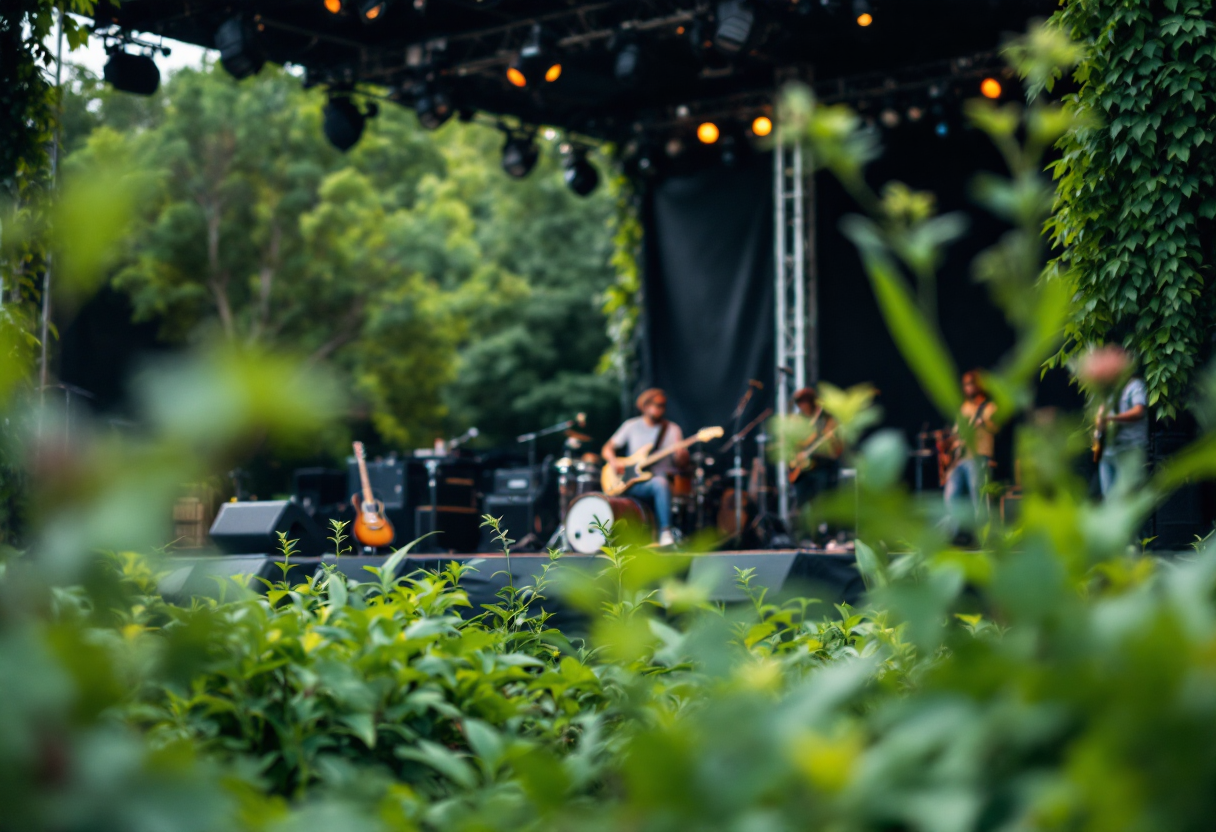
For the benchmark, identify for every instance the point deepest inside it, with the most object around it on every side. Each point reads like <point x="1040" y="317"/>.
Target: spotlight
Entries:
<point x="433" y="106"/>
<point x="333" y="6"/>
<point x="762" y="126"/>
<point x="940" y="126"/>
<point x="735" y="20"/>
<point x="862" y="13"/>
<point x="343" y="122"/>
<point x="372" y="10"/>
<point x="915" y="113"/>
<point x="990" y="88"/>
<point x="628" y="63"/>
<point x="135" y="74"/>
<point x="729" y="153"/>
<point x="519" y="156"/>
<point x="240" y="54"/>
<point x="707" y="132"/>
<point x="533" y="63"/>
<point x="674" y="147"/>
<point x="889" y="117"/>
<point x="581" y="176"/>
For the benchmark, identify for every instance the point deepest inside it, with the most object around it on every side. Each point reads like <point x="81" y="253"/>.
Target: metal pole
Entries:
<point x="798" y="277"/>
<point x="46" y="275"/>
<point x="780" y="286"/>
<point x="812" y="276"/>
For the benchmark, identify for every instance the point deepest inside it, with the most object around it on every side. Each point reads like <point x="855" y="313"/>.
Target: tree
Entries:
<point x="1136" y="186"/>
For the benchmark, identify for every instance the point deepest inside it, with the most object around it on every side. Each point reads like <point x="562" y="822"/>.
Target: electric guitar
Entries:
<point x="372" y="528"/>
<point x="614" y="484"/>
<point x="803" y="461"/>
<point x="1099" y="439"/>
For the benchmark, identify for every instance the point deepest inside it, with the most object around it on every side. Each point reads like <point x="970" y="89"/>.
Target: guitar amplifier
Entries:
<point x="457" y="528"/>
<point x="512" y="511"/>
<point x="518" y="480"/>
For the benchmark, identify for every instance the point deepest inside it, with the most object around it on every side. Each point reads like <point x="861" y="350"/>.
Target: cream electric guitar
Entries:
<point x="636" y="464"/>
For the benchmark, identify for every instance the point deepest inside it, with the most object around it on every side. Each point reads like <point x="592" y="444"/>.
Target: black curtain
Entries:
<point x="708" y="274"/>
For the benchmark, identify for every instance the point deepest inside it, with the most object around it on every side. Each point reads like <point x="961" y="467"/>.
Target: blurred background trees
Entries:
<point x="446" y="294"/>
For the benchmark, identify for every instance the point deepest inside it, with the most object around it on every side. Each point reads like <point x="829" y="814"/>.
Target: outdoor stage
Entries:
<point x="831" y="578"/>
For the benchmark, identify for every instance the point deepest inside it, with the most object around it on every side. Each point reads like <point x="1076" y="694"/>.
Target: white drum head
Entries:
<point x="584" y="513"/>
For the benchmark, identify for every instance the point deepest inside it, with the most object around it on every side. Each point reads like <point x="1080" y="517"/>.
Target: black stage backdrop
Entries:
<point x="708" y="276"/>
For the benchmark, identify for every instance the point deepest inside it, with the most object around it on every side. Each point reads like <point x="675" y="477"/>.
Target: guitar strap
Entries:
<point x="658" y="439"/>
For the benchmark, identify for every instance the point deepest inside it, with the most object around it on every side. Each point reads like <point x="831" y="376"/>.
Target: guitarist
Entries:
<point x="651" y="427"/>
<point x="969" y="469"/>
<point x="816" y="468"/>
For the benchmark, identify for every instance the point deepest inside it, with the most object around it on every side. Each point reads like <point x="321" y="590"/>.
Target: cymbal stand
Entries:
<point x="762" y="483"/>
<point x="531" y="438"/>
<point x="736" y="441"/>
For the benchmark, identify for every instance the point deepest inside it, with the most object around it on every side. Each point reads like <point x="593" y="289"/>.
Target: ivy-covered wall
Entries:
<point x="1135" y="197"/>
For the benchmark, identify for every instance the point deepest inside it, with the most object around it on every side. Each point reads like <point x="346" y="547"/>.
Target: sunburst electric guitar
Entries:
<point x="636" y="464"/>
<point x="372" y="528"/>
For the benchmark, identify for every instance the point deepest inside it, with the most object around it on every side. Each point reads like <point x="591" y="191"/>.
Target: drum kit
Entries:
<point x="703" y="499"/>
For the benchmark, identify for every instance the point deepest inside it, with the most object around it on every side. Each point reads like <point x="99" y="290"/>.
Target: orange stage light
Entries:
<point x="708" y="133"/>
<point x="865" y="19"/>
<point x="516" y="77"/>
<point x="333" y="6"/>
<point x="553" y="73"/>
<point x="990" y="88"/>
<point x="762" y="126"/>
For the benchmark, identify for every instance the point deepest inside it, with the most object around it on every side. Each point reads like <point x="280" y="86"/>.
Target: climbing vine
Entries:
<point x="1135" y="193"/>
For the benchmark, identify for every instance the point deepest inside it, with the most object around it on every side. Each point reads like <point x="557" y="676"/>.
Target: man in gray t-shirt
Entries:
<point x="643" y="430"/>
<point x="1127" y="431"/>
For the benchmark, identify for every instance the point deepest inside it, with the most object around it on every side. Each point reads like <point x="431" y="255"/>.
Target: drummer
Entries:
<point x="651" y="428"/>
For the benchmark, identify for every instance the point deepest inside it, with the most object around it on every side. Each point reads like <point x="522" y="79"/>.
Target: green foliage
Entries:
<point x="1135" y="187"/>
<point x="445" y="293"/>
<point x="1056" y="679"/>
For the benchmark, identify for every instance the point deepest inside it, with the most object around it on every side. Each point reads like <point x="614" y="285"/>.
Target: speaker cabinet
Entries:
<point x="253" y="527"/>
<point x="457" y="528"/>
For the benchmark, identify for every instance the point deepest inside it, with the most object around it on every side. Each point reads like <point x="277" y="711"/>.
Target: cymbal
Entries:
<point x="581" y="437"/>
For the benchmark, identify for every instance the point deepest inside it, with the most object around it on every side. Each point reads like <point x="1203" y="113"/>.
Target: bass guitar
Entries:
<point x="372" y="528"/>
<point x="803" y="460"/>
<point x="614" y="484"/>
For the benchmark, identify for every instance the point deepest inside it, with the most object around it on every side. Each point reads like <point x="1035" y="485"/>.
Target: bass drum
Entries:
<point x="591" y="510"/>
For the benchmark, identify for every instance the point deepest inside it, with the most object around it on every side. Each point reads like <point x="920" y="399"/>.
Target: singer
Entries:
<point x="651" y="428"/>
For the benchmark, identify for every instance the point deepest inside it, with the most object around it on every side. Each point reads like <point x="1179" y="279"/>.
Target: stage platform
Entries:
<point x="832" y="578"/>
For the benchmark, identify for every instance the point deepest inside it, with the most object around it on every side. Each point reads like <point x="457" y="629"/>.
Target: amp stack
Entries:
<point x="415" y="491"/>
<point x="520" y="496"/>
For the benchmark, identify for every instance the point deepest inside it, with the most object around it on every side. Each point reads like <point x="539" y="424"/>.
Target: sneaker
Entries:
<point x="666" y="539"/>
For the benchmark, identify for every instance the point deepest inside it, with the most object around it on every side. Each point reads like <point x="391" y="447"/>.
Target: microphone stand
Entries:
<point x="531" y="438"/>
<point x="736" y="441"/>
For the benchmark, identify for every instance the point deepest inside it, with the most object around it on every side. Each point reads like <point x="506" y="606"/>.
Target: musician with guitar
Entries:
<point x="651" y="428"/>
<point x="966" y="468"/>
<point x="815" y="467"/>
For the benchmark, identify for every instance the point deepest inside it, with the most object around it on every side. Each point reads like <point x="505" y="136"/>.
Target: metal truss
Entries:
<point x="789" y="292"/>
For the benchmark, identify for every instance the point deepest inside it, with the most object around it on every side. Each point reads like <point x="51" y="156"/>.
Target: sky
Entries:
<point x="93" y="56"/>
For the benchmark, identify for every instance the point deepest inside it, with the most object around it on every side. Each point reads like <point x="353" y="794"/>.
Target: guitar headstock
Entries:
<point x="706" y="434"/>
<point x="358" y="446"/>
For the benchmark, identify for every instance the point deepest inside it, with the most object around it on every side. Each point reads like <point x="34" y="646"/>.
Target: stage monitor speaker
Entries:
<point x="457" y="527"/>
<point x="512" y="513"/>
<point x="253" y="528"/>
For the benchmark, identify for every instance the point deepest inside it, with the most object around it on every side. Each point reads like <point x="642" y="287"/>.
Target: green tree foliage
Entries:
<point x="1136" y="186"/>
<point x="448" y="294"/>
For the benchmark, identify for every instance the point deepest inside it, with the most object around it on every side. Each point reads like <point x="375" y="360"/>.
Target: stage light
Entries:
<point x="372" y="10"/>
<point x="240" y="54"/>
<point x="519" y="156"/>
<point x="136" y="74"/>
<point x="433" y="106"/>
<point x="707" y="132"/>
<point x="990" y="88"/>
<point x="581" y="176"/>
<point x="889" y="117"/>
<point x="534" y="61"/>
<point x="762" y="126"/>
<point x="735" y="19"/>
<point x="915" y="113"/>
<point x="863" y="13"/>
<point x="730" y="154"/>
<point x="628" y="63"/>
<point x="333" y="6"/>
<point x="343" y="122"/>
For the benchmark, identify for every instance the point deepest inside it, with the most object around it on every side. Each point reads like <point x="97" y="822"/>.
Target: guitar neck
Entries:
<point x="367" y="486"/>
<point x="657" y="455"/>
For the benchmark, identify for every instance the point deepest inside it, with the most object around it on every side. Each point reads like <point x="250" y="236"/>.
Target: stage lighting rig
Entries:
<point x="333" y="6"/>
<point x="536" y="61"/>
<point x="707" y="132"/>
<point x="580" y="175"/>
<point x="762" y="126"/>
<point x="344" y="121"/>
<point x="136" y="74"/>
<point x="519" y="155"/>
<point x="433" y="105"/>
<point x="990" y="88"/>
<point x="240" y="54"/>
<point x="735" y="19"/>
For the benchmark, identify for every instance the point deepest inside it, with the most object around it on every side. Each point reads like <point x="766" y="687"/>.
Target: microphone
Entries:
<point x="581" y="419"/>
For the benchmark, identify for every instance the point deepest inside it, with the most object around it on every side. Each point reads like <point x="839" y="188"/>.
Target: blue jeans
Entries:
<point x="658" y="492"/>
<point x="1108" y="465"/>
<point x="967" y="476"/>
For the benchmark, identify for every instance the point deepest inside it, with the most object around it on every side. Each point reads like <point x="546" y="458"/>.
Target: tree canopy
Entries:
<point x="448" y="294"/>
